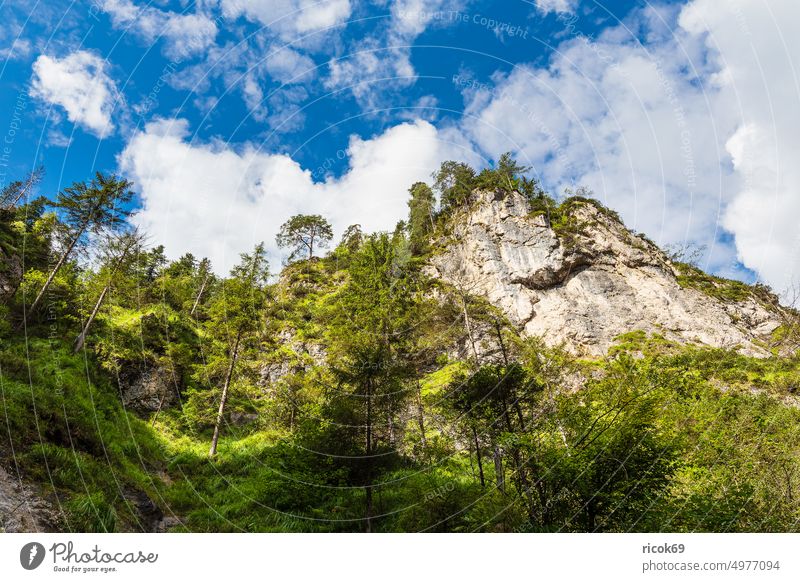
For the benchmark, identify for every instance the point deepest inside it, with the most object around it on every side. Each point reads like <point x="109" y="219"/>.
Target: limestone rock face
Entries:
<point x="588" y="285"/>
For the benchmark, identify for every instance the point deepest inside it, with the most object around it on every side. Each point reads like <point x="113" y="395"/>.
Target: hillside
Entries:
<point x="500" y="362"/>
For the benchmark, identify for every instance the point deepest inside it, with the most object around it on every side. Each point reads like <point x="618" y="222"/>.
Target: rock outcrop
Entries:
<point x="155" y="388"/>
<point x="10" y="275"/>
<point x="22" y="509"/>
<point x="586" y="283"/>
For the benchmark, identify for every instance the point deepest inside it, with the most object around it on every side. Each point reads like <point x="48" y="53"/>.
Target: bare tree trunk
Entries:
<point x="213" y="451"/>
<point x="81" y="339"/>
<point x="199" y="295"/>
<point x="158" y="410"/>
<point x="392" y="435"/>
<point x="33" y="178"/>
<point x="478" y="454"/>
<point x="469" y="327"/>
<point x="498" y="468"/>
<point x="421" y="418"/>
<point x="500" y="340"/>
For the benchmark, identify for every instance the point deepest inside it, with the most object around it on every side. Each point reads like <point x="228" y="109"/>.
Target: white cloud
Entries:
<point x="79" y="84"/>
<point x="689" y="129"/>
<point x="371" y="71"/>
<point x="378" y="67"/>
<point x="562" y="6"/>
<point x="185" y="34"/>
<point x="287" y="66"/>
<point x="626" y="123"/>
<point x="19" y="49"/>
<point x="410" y="18"/>
<point x="290" y="18"/>
<point x="217" y="201"/>
<point x="752" y="46"/>
<point x="271" y="77"/>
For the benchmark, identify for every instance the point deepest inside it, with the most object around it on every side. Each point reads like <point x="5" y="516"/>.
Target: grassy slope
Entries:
<point x="67" y="430"/>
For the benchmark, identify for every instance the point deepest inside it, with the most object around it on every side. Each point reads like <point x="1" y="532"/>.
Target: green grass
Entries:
<point x="726" y="290"/>
<point x="69" y="432"/>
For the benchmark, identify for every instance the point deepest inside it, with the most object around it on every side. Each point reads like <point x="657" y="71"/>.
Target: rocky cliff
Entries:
<point x="582" y="278"/>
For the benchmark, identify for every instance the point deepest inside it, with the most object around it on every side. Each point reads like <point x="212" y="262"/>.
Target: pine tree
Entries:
<point x="303" y="233"/>
<point x="369" y="335"/>
<point x="94" y="207"/>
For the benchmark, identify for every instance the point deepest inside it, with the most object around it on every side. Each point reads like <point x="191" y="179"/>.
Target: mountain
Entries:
<point x="583" y="279"/>
<point x="500" y="362"/>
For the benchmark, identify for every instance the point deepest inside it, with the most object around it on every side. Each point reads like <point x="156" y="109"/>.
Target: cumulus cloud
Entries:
<point x="79" y="84"/>
<point x="216" y="200"/>
<point x="290" y="18"/>
<point x="184" y="34"/>
<point x="672" y="118"/>
<point x="758" y="68"/>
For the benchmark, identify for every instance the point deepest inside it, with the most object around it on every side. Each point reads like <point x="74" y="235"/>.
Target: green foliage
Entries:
<point x="303" y="233"/>
<point x="454" y="182"/>
<point x="96" y="205"/>
<point x="508" y="176"/>
<point x="356" y="400"/>
<point x="726" y="290"/>
<point x="421" y="213"/>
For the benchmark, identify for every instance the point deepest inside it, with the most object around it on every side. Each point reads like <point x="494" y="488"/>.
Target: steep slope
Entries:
<point x="584" y="279"/>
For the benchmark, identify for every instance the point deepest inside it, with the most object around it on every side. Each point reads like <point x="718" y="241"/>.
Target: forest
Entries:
<point x="348" y="390"/>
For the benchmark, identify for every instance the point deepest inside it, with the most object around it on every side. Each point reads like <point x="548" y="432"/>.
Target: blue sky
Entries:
<point x="231" y="115"/>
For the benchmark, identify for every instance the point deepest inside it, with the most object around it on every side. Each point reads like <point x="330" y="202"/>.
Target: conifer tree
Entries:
<point x="88" y="208"/>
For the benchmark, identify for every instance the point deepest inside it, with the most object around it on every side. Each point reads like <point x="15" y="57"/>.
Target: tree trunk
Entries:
<point x="33" y="178"/>
<point x="469" y="327"/>
<point x="421" y="418"/>
<point x="498" y="468"/>
<point x="65" y="254"/>
<point x="500" y="340"/>
<point x="81" y="339"/>
<point x="213" y="451"/>
<point x="392" y="434"/>
<point x="591" y="517"/>
<point x="368" y="487"/>
<point x="158" y="410"/>
<point x="478" y="454"/>
<point x="199" y="295"/>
